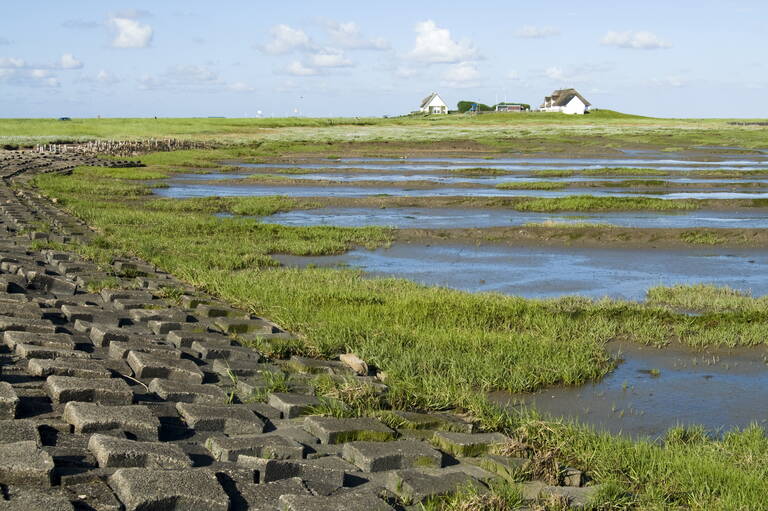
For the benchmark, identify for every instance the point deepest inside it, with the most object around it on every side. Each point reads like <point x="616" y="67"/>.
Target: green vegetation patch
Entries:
<point x="593" y="203"/>
<point x="531" y="185"/>
<point x="625" y="171"/>
<point x="702" y="238"/>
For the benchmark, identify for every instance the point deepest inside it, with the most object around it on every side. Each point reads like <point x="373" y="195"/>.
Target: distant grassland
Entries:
<point x="603" y="130"/>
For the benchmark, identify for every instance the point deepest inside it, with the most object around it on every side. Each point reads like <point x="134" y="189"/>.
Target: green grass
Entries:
<point x="531" y="185"/>
<point x="553" y="173"/>
<point x="624" y="171"/>
<point x="702" y="238"/>
<point x="593" y="203"/>
<point x="569" y="225"/>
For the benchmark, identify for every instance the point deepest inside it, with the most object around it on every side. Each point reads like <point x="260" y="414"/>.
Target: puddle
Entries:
<point x="656" y="389"/>
<point x="544" y="272"/>
<point x="444" y="218"/>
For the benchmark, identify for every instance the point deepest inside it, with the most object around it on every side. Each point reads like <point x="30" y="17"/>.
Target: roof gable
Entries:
<point x="564" y="96"/>
<point x="429" y="99"/>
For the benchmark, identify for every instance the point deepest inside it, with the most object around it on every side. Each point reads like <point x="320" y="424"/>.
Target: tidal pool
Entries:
<point x="544" y="272"/>
<point x="445" y="218"/>
<point x="655" y="389"/>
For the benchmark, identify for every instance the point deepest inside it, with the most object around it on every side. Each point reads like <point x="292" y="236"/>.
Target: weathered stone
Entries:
<point x="147" y="366"/>
<point x="242" y="326"/>
<point x="576" y="498"/>
<point x="188" y="393"/>
<point x="136" y="420"/>
<point x="120" y="349"/>
<point x="105" y="391"/>
<point x="25" y="464"/>
<point x="232" y="419"/>
<point x="435" y="420"/>
<point x="9" y="401"/>
<point x="94" y="495"/>
<point x="91" y="314"/>
<point x="37" y="339"/>
<point x="315" y="366"/>
<point x="343" y="502"/>
<point x="210" y="350"/>
<point x="53" y="285"/>
<point x="264" y="497"/>
<point x="243" y="368"/>
<point x="80" y="368"/>
<point x="355" y="363"/>
<point x="572" y="477"/>
<point x="331" y="430"/>
<point x="379" y="456"/>
<point x="31" y="351"/>
<point x="262" y="446"/>
<point x="163" y="327"/>
<point x="466" y="444"/>
<point x="414" y="486"/>
<point x="184" y="338"/>
<point x="145" y="315"/>
<point x="110" y="295"/>
<point x="509" y="468"/>
<point x="117" y="452"/>
<point x="318" y="475"/>
<point x="292" y="405"/>
<point x="36" y="500"/>
<point x="27" y="325"/>
<point x="102" y="335"/>
<point x="216" y="311"/>
<point x="264" y="411"/>
<point x="169" y="490"/>
<point x="12" y="431"/>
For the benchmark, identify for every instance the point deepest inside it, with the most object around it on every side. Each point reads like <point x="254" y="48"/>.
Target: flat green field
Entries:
<point x="547" y="132"/>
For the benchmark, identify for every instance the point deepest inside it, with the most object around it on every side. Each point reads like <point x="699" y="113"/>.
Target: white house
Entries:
<point x="433" y="104"/>
<point x="567" y="101"/>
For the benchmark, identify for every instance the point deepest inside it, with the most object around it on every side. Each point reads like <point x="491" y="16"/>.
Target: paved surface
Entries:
<point x="122" y="400"/>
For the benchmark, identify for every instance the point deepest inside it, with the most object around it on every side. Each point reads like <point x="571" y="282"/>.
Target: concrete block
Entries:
<point x="25" y="464"/>
<point x="147" y="366"/>
<point x="380" y="456"/>
<point x="331" y="430"/>
<point x="169" y="490"/>
<point x="105" y="391"/>
<point x="118" y="452"/>
<point x="136" y="420"/>
<point x="466" y="444"/>
<point x="188" y="393"/>
<point x="9" y="401"/>
<point x="262" y="446"/>
<point x="231" y="420"/>
<point x="292" y="405"/>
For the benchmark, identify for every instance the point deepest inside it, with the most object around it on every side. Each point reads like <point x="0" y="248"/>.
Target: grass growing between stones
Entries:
<point x="443" y="348"/>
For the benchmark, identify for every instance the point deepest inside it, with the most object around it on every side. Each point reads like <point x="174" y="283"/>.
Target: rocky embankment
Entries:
<point x="122" y="399"/>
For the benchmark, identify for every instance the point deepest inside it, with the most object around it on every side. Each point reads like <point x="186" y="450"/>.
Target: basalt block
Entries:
<point x="261" y="446"/>
<point x="413" y="486"/>
<point x="31" y="351"/>
<point x="188" y="393"/>
<point x="120" y="349"/>
<point x="441" y="421"/>
<point x="169" y="490"/>
<point x="244" y="368"/>
<point x="331" y="430"/>
<point x="20" y="430"/>
<point x="9" y="401"/>
<point x="118" y="452"/>
<point x="466" y="444"/>
<point x="292" y="405"/>
<point x="343" y="502"/>
<point x="380" y="456"/>
<point x="80" y="368"/>
<point x="231" y="420"/>
<point x="25" y="464"/>
<point x="264" y="497"/>
<point x="54" y="285"/>
<point x="27" y="325"/>
<point x="37" y="339"/>
<point x="36" y="500"/>
<point x="323" y="476"/>
<point x="147" y="366"/>
<point x="105" y="391"/>
<point x="242" y="326"/>
<point x="136" y="420"/>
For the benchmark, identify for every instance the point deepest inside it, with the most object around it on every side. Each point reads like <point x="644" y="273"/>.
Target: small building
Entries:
<point x="567" y="101"/>
<point x="512" y="107"/>
<point x="433" y="104"/>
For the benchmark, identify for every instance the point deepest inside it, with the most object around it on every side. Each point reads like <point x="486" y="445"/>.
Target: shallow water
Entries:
<point x="180" y="190"/>
<point x="718" y="389"/>
<point x="445" y="218"/>
<point x="543" y="272"/>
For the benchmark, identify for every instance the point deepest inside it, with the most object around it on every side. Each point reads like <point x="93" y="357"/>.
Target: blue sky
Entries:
<point x="238" y="58"/>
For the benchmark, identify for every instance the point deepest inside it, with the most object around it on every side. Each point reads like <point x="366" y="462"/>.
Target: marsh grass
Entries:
<point x="531" y="185"/>
<point x="702" y="238"/>
<point x="593" y="203"/>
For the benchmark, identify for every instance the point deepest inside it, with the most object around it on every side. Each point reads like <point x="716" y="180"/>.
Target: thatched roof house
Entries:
<point x="567" y="101"/>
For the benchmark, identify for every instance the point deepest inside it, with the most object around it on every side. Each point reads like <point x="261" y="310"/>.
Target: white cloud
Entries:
<point x="435" y="45"/>
<point x="39" y="73"/>
<point x="241" y="87"/>
<point x="191" y="73"/>
<point x="329" y="60"/>
<point x="533" y="32"/>
<point x="670" y="81"/>
<point x="576" y="74"/>
<point x="24" y="77"/>
<point x="130" y="33"/>
<point x="286" y="39"/>
<point x="463" y="74"/>
<point x="4" y="41"/>
<point x="348" y="35"/>
<point x="406" y="72"/>
<point x="636" y="40"/>
<point x="12" y="63"/>
<point x="296" y="68"/>
<point x="106" y="78"/>
<point x="68" y="61"/>
<point x="555" y="73"/>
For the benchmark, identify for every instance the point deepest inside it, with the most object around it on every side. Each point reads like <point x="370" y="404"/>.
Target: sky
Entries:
<point x="237" y="58"/>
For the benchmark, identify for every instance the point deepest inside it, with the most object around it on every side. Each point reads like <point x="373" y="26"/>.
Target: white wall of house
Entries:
<point x="575" y="106"/>
<point x="436" y="106"/>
